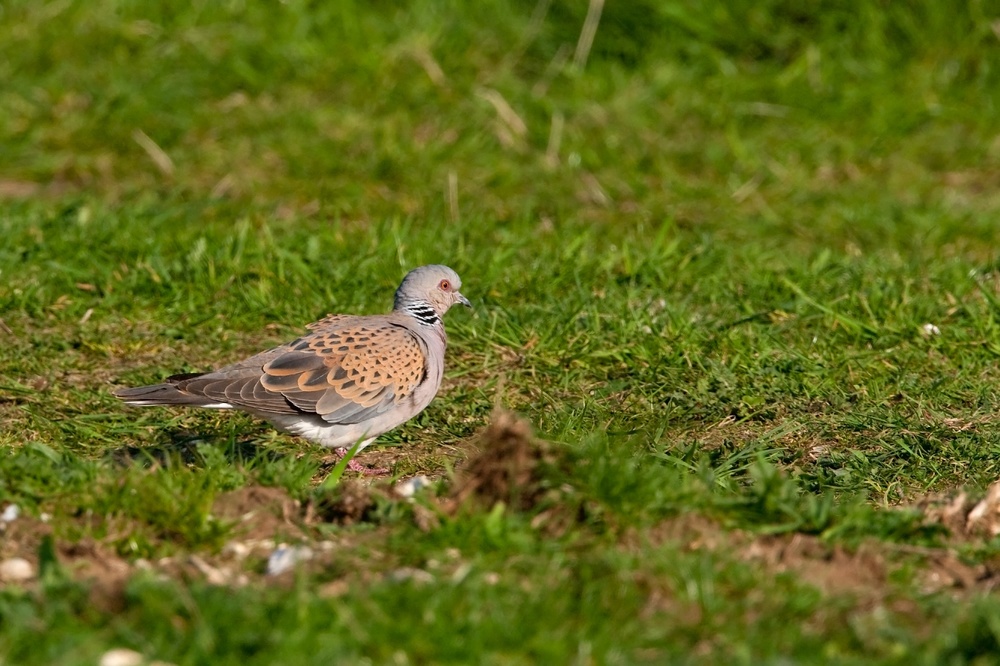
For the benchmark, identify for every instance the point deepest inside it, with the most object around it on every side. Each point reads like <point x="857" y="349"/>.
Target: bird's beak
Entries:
<point x="463" y="300"/>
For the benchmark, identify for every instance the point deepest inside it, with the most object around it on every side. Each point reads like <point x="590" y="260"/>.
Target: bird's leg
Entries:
<point x="355" y="466"/>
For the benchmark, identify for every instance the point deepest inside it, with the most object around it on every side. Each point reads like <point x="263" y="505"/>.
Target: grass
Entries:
<point x="738" y="265"/>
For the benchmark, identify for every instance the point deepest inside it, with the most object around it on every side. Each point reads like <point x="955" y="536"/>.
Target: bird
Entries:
<point x="349" y="380"/>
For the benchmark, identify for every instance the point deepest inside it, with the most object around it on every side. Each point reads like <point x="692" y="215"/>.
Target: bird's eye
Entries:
<point x="445" y="285"/>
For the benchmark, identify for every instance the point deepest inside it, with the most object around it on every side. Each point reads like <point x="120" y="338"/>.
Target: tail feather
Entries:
<point x="165" y="395"/>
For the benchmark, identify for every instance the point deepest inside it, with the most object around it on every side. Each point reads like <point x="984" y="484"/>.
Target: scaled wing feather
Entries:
<point x="348" y="374"/>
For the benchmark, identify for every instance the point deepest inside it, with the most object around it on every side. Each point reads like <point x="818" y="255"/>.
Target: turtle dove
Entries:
<point x="351" y="379"/>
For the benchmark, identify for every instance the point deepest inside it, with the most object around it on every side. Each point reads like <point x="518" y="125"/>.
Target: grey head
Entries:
<point x="428" y="292"/>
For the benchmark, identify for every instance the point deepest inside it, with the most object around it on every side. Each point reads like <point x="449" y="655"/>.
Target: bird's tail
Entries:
<point x="166" y="394"/>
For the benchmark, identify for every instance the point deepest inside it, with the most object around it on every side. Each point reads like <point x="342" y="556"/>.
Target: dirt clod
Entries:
<point x="964" y="517"/>
<point x="353" y="504"/>
<point x="505" y="466"/>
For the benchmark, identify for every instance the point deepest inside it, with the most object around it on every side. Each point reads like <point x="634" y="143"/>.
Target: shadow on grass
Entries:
<point x="187" y="447"/>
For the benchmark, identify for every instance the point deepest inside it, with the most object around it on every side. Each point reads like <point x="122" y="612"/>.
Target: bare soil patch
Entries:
<point x="22" y="537"/>
<point x="832" y="568"/>
<point x="865" y="572"/>
<point x="261" y="513"/>
<point x="106" y="572"/>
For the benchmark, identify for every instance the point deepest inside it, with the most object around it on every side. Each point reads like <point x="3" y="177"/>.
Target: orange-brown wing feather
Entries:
<point x="350" y="373"/>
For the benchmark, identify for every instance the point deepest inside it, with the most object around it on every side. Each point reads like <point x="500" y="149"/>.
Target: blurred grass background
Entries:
<point x="683" y="112"/>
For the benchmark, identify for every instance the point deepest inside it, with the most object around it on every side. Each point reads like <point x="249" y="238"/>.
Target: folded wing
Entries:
<point x="347" y="371"/>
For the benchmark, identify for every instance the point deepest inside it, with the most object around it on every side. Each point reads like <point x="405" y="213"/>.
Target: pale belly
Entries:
<point x="317" y="430"/>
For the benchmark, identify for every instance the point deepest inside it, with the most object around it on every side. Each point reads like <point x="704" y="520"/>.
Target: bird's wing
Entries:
<point x="348" y="371"/>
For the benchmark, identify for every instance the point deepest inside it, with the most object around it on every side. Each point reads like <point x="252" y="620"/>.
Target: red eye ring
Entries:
<point x="444" y="285"/>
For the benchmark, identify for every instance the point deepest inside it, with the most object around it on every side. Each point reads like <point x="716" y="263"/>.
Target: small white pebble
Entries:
<point x="409" y="487"/>
<point x="121" y="657"/>
<point x="931" y="329"/>
<point x="45" y="517"/>
<point x="285" y="558"/>
<point x="16" y="570"/>
<point x="10" y="514"/>
<point x="237" y="549"/>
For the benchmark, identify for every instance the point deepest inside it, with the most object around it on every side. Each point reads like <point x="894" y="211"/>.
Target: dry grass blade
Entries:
<point x="588" y="33"/>
<point x="157" y="154"/>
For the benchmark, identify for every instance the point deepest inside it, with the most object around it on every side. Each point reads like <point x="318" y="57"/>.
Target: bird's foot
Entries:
<point x="355" y="466"/>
